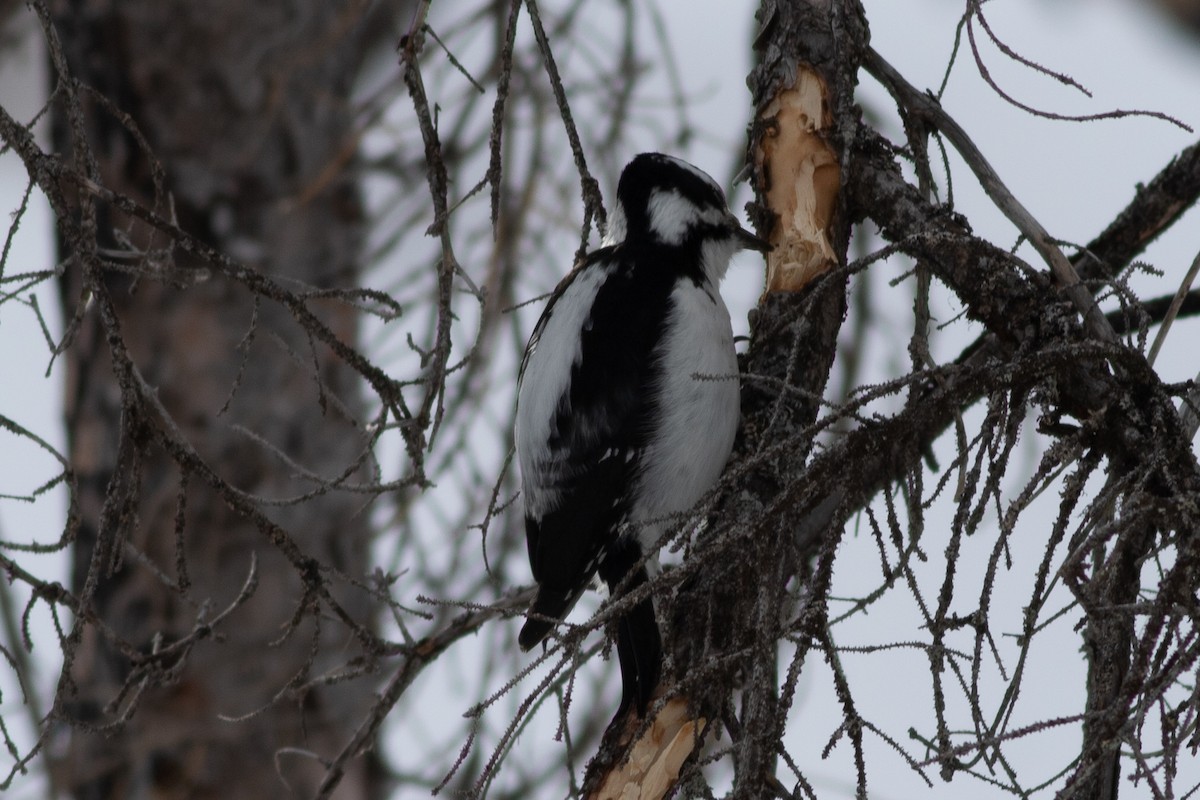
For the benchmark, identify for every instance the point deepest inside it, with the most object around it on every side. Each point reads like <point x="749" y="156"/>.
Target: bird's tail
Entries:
<point x="639" y="649"/>
<point x="639" y="644"/>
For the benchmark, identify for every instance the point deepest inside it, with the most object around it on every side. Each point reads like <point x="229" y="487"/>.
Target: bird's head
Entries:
<point x="666" y="201"/>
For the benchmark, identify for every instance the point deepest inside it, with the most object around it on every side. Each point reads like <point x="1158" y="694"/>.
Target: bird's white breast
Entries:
<point x="698" y="415"/>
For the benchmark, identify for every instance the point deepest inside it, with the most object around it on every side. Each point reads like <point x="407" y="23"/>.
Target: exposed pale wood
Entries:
<point x="656" y="757"/>
<point x="802" y="178"/>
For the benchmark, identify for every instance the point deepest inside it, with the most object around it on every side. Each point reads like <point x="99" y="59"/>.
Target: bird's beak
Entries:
<point x="751" y="242"/>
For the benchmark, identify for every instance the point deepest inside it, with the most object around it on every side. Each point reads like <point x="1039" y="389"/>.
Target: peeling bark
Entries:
<point x="655" y="757"/>
<point x="726" y="619"/>
<point x="802" y="179"/>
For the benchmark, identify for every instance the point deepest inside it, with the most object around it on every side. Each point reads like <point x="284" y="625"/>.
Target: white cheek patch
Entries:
<point x="671" y="215"/>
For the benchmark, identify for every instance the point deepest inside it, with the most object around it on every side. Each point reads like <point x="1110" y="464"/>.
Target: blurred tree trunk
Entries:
<point x="245" y="106"/>
<point x="1185" y="11"/>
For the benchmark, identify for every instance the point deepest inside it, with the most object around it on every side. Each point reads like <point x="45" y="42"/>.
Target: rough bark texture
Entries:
<point x="205" y="381"/>
<point x="793" y="339"/>
<point x="761" y="572"/>
<point x="726" y="632"/>
<point x="244" y="106"/>
<point x="1125" y="406"/>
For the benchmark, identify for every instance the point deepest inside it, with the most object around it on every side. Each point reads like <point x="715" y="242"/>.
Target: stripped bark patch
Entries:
<point x="802" y="177"/>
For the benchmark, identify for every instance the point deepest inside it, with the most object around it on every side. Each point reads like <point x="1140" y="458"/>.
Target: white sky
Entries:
<point x="1073" y="176"/>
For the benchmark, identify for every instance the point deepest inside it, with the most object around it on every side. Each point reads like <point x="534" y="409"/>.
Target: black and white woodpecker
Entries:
<point x="628" y="401"/>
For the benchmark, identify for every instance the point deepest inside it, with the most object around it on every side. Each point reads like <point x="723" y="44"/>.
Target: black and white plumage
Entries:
<point x="613" y="426"/>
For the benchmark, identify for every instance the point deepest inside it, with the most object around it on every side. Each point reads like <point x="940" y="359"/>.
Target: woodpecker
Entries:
<point x="628" y="401"/>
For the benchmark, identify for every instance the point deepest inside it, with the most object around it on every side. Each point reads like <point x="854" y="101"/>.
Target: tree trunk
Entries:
<point x="727" y="617"/>
<point x="244" y="106"/>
